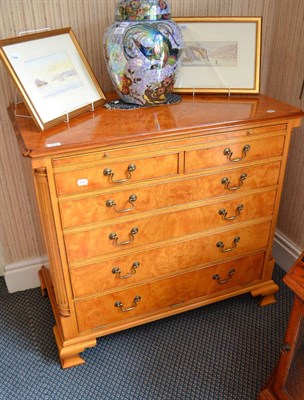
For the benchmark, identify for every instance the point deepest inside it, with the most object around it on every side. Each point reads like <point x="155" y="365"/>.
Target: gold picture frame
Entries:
<point x="52" y="75"/>
<point x="221" y="55"/>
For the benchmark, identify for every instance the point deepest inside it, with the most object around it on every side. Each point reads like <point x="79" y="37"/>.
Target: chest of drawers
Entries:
<point x="152" y="212"/>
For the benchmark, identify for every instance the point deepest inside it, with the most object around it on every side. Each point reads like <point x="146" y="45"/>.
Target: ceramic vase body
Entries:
<point x="142" y="52"/>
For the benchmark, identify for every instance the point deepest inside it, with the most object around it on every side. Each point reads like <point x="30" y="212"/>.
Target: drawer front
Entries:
<point x="97" y="208"/>
<point x="199" y="159"/>
<point x="97" y="156"/>
<point x="115" y="174"/>
<point x="114" y="238"/>
<point x="144" y="299"/>
<point x="137" y="267"/>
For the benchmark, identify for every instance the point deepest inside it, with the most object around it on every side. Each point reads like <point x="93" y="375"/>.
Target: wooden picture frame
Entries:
<point x="221" y="55"/>
<point x="52" y="75"/>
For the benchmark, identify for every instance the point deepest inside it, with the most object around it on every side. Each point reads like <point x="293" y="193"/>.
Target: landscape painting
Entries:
<point x="53" y="74"/>
<point x="210" y="53"/>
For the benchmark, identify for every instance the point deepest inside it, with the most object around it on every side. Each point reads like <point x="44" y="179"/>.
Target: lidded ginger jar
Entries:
<point x="142" y="50"/>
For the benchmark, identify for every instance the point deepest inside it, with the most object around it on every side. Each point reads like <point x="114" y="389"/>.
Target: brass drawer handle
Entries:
<point x="226" y="182"/>
<point x="110" y="173"/>
<point x="132" y="199"/>
<point x="221" y="281"/>
<point x="228" y="153"/>
<point x="120" y="304"/>
<point x="221" y="245"/>
<point x="113" y="236"/>
<point x="224" y="213"/>
<point x="117" y="271"/>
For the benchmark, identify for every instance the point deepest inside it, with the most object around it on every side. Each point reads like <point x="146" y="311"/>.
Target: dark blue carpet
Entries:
<point x="224" y="351"/>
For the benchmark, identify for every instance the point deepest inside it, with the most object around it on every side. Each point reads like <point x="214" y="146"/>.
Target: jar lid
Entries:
<point x="139" y="10"/>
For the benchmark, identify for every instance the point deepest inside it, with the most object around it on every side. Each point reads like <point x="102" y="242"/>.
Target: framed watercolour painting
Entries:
<point x="221" y="55"/>
<point x="52" y="75"/>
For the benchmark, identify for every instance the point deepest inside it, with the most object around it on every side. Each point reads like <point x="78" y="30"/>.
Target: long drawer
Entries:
<point x="94" y="209"/>
<point x="103" y="176"/>
<point x="128" y="235"/>
<point x="155" y="296"/>
<point x="111" y="273"/>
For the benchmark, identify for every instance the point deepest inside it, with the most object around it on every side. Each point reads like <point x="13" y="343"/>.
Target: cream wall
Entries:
<point x="281" y="77"/>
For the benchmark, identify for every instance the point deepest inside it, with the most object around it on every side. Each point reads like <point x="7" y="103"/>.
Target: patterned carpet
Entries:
<point x="224" y="351"/>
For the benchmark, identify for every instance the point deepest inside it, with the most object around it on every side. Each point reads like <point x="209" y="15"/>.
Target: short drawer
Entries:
<point x="234" y="153"/>
<point x="115" y="174"/>
<point x="128" y="202"/>
<point x="170" y="292"/>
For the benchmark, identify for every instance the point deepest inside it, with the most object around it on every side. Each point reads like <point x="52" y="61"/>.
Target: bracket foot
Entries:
<point x="267" y="291"/>
<point x="69" y="355"/>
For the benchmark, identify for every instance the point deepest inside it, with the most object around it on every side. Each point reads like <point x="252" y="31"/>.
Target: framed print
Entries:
<point x="52" y="75"/>
<point x="221" y="55"/>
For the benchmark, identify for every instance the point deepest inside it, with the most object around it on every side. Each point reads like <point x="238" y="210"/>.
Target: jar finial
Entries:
<point x="142" y="10"/>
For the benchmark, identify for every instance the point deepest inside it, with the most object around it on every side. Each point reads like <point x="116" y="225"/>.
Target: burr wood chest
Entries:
<point x="151" y="212"/>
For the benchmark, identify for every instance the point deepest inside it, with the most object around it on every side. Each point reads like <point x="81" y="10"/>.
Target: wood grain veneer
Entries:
<point x="199" y="229"/>
<point x="282" y="67"/>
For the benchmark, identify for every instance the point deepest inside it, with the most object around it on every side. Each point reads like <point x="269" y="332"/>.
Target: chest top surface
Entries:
<point x="192" y="115"/>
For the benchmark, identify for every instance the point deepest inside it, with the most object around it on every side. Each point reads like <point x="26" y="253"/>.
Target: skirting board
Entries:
<point x="284" y="251"/>
<point x="23" y="274"/>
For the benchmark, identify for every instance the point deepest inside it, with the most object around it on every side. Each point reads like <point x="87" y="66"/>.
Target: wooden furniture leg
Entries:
<point x="267" y="292"/>
<point x="69" y="355"/>
<point x="43" y="285"/>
